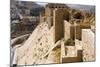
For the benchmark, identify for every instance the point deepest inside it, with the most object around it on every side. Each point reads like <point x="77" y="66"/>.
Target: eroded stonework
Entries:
<point x="58" y="38"/>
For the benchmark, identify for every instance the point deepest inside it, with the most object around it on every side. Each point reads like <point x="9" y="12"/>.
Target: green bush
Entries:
<point x="69" y="42"/>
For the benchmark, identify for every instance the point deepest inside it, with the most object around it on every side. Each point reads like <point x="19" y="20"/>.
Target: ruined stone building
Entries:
<point x="57" y="39"/>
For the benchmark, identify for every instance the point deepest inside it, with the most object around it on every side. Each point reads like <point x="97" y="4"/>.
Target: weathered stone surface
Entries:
<point x="46" y="44"/>
<point x="59" y="16"/>
<point x="67" y="29"/>
<point x="71" y="54"/>
<point x="88" y="45"/>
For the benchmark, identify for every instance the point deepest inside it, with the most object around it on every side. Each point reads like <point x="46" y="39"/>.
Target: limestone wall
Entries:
<point x="36" y="46"/>
<point x="58" y="20"/>
<point x="49" y="16"/>
<point x="71" y="54"/>
<point x="49" y="21"/>
<point x="78" y="29"/>
<point x="66" y="30"/>
<point x="77" y="58"/>
<point x="42" y="19"/>
<point x="78" y="32"/>
<point x="48" y="12"/>
<point x="72" y="32"/>
<point x="88" y="41"/>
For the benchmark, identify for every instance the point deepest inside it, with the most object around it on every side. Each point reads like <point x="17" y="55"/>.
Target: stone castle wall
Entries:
<point x="67" y="30"/>
<point x="88" y="39"/>
<point x="58" y="19"/>
<point x="53" y="28"/>
<point x="36" y="46"/>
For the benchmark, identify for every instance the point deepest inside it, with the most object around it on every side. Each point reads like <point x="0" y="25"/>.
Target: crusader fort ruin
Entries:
<point x="61" y="35"/>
